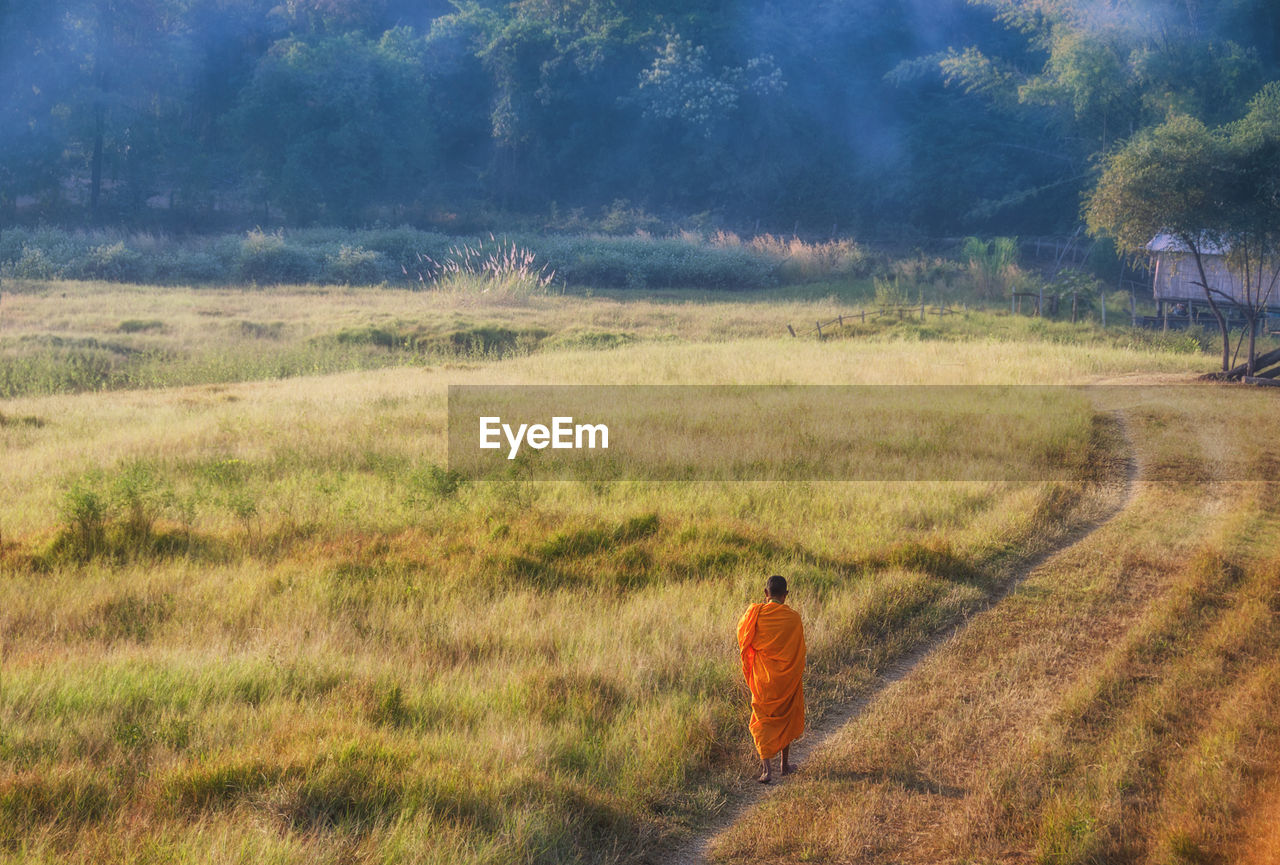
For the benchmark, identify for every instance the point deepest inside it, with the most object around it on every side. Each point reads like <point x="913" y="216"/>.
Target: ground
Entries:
<point x="247" y="614"/>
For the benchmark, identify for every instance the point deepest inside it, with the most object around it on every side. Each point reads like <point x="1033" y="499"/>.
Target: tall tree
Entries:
<point x="130" y="53"/>
<point x="1101" y="72"/>
<point x="1252" y="233"/>
<point x="337" y="124"/>
<point x="1216" y="191"/>
<point x="1170" y="179"/>
<point x="32" y="77"/>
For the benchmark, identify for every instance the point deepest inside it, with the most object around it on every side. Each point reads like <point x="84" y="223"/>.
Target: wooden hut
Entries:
<point x="1176" y="283"/>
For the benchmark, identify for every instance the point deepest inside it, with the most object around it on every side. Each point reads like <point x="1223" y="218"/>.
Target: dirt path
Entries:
<point x="748" y="794"/>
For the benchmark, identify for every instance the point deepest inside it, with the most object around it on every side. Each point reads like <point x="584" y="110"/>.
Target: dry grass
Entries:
<point x="1259" y="842"/>
<point x="289" y="636"/>
<point x="1118" y="707"/>
<point x="807" y="262"/>
<point x="68" y="337"/>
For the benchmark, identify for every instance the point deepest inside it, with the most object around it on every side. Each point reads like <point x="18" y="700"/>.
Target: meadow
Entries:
<point x="1118" y="706"/>
<point x="247" y="614"/>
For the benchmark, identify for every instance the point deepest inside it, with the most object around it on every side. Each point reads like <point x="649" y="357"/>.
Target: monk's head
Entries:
<point x="776" y="587"/>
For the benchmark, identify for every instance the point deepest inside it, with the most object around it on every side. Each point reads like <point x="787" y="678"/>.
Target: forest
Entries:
<point x="870" y="118"/>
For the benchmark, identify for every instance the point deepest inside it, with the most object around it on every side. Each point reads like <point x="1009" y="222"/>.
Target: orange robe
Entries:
<point x="772" y="642"/>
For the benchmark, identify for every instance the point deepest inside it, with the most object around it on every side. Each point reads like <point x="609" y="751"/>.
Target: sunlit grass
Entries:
<point x="258" y="621"/>
<point x="58" y="337"/>
<point x="1111" y="709"/>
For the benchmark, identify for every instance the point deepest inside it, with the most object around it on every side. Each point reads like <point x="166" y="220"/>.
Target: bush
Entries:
<point x="12" y="241"/>
<point x="49" y="253"/>
<point x="111" y="261"/>
<point x="355" y="265"/>
<point x="432" y="483"/>
<point x="891" y="293"/>
<point x="404" y="247"/>
<point x="809" y="262"/>
<point x="185" y="266"/>
<point x="407" y="256"/>
<point x="266" y="259"/>
<point x="34" y="263"/>
<point x="643" y="262"/>
<point x="993" y="265"/>
<point x="84" y="507"/>
<point x="622" y="218"/>
<point x="138" y="497"/>
<point x="112" y="514"/>
<point x="140" y="325"/>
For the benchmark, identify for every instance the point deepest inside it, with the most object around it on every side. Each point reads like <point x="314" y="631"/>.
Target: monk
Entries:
<point x="772" y="642"/>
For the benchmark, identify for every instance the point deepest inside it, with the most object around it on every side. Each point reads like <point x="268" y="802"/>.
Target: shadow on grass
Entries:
<point x="120" y="544"/>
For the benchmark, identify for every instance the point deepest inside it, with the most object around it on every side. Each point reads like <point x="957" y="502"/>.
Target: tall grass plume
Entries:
<point x="503" y="274"/>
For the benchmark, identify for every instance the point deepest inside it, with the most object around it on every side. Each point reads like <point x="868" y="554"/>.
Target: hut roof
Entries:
<point x="1168" y="243"/>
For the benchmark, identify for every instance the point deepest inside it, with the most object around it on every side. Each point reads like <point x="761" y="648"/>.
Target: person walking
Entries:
<point x="771" y="637"/>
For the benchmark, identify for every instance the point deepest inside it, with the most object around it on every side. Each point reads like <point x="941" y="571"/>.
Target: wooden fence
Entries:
<point x="862" y="316"/>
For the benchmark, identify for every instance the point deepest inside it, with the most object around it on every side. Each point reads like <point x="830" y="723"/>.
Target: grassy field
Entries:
<point x="66" y="337"/>
<point x="1118" y="707"/>
<point x="247" y="615"/>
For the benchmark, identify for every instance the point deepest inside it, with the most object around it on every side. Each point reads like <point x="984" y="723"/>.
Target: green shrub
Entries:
<point x="267" y="260"/>
<point x="355" y="265"/>
<point x="993" y="264"/>
<point x="34" y="263"/>
<point x="622" y="218"/>
<point x="139" y="497"/>
<point x="407" y="256"/>
<point x="85" y="507"/>
<point x="112" y="515"/>
<point x="140" y="325"/>
<point x="432" y="482"/>
<point x="114" y="262"/>
<point x="12" y="240"/>
<point x="892" y="293"/>
<point x="643" y="262"/>
<point x="187" y="266"/>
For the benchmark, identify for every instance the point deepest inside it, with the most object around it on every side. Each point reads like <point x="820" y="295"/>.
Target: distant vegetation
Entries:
<point x="947" y="117"/>
<point x="418" y="259"/>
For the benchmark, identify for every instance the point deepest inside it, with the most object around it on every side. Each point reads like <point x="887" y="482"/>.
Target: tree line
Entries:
<point x="874" y="117"/>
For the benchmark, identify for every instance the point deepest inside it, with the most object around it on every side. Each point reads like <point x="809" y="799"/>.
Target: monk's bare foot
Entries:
<point x="787" y="766"/>
<point x="765" y="778"/>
